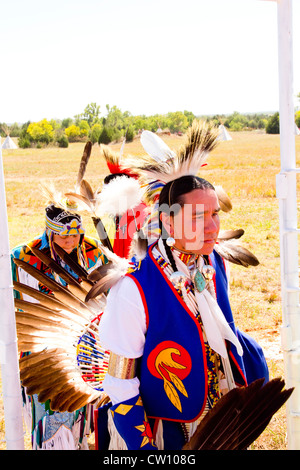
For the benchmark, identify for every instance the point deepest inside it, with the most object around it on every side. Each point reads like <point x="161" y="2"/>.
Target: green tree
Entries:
<point x="95" y="132"/>
<point x="66" y="123"/>
<point x="91" y="113"/>
<point x="273" y="124"/>
<point x="190" y="116"/>
<point x="178" y="122"/>
<point x="105" y="136"/>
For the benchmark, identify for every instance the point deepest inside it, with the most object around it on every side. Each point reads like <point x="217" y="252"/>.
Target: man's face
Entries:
<point x="67" y="242"/>
<point x="196" y="227"/>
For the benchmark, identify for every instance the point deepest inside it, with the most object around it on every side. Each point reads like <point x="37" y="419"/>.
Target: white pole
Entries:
<point x="287" y="195"/>
<point x="11" y="388"/>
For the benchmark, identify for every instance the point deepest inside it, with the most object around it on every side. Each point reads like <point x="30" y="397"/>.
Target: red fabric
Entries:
<point x="129" y="223"/>
<point x="118" y="169"/>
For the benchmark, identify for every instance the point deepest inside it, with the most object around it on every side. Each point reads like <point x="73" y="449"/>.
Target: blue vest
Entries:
<point x="173" y="372"/>
<point x="252" y="365"/>
<point x="173" y="377"/>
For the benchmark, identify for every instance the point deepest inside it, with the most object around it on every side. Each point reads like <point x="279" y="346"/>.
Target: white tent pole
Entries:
<point x="11" y="388"/>
<point x="286" y="189"/>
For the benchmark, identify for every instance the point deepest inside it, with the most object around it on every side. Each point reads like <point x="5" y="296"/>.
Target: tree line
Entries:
<point x="115" y="125"/>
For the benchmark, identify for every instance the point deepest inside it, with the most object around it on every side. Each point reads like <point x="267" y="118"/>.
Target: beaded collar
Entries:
<point x="187" y="258"/>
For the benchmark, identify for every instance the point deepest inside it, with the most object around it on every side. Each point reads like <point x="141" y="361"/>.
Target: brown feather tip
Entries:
<point x="224" y="200"/>
<point x="83" y="162"/>
<point x="236" y="254"/>
<point x="230" y="234"/>
<point x="240" y="416"/>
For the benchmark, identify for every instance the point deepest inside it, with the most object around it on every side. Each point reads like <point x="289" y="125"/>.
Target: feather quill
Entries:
<point x="83" y="164"/>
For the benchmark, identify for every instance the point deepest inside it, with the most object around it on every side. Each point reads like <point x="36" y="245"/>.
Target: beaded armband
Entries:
<point x="122" y="367"/>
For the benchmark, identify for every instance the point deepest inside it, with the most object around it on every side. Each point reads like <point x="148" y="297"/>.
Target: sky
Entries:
<point x="143" y="56"/>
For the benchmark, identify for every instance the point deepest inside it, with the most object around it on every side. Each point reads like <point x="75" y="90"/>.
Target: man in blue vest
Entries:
<point x="168" y="324"/>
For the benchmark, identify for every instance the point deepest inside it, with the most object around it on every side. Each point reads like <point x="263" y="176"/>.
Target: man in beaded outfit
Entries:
<point x="168" y="324"/>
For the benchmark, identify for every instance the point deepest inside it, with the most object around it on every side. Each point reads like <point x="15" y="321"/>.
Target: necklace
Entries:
<point x="201" y="272"/>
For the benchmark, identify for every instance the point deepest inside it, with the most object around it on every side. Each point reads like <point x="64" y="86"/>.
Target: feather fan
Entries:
<point x="67" y="364"/>
<point x="239" y="417"/>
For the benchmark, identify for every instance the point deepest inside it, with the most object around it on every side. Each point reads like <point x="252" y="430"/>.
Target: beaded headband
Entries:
<point x="72" y="227"/>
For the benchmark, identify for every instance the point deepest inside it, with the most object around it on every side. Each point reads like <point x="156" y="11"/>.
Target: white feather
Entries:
<point x="155" y="146"/>
<point x="118" y="196"/>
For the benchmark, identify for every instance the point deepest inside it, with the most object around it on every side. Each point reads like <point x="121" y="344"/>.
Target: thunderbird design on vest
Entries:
<point x="170" y="362"/>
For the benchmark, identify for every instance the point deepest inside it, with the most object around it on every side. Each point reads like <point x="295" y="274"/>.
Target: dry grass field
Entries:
<point x="246" y="167"/>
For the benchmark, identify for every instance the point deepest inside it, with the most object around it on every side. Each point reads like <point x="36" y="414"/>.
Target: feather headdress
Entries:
<point x="164" y="165"/>
<point x="67" y="364"/>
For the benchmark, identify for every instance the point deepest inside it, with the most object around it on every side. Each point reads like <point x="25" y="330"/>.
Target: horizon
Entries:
<point x="211" y="58"/>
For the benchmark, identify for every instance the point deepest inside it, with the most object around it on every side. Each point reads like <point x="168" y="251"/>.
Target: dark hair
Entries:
<point x="172" y="196"/>
<point x="112" y="176"/>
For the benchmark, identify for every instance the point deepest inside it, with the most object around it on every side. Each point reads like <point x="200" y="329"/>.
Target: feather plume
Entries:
<point x="200" y="139"/>
<point x="236" y="253"/>
<point x="59" y="199"/>
<point x="111" y="276"/>
<point x="118" y="196"/>
<point x="44" y="299"/>
<point x="156" y="147"/>
<point x="239" y="417"/>
<point x="67" y="364"/>
<point x="83" y="164"/>
<point x="107" y="275"/>
<point x="139" y="246"/>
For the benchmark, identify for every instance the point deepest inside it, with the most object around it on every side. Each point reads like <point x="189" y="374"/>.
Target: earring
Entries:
<point x="170" y="241"/>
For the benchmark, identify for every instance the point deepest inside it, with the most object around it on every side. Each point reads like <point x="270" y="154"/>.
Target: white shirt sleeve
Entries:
<point x="122" y="330"/>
